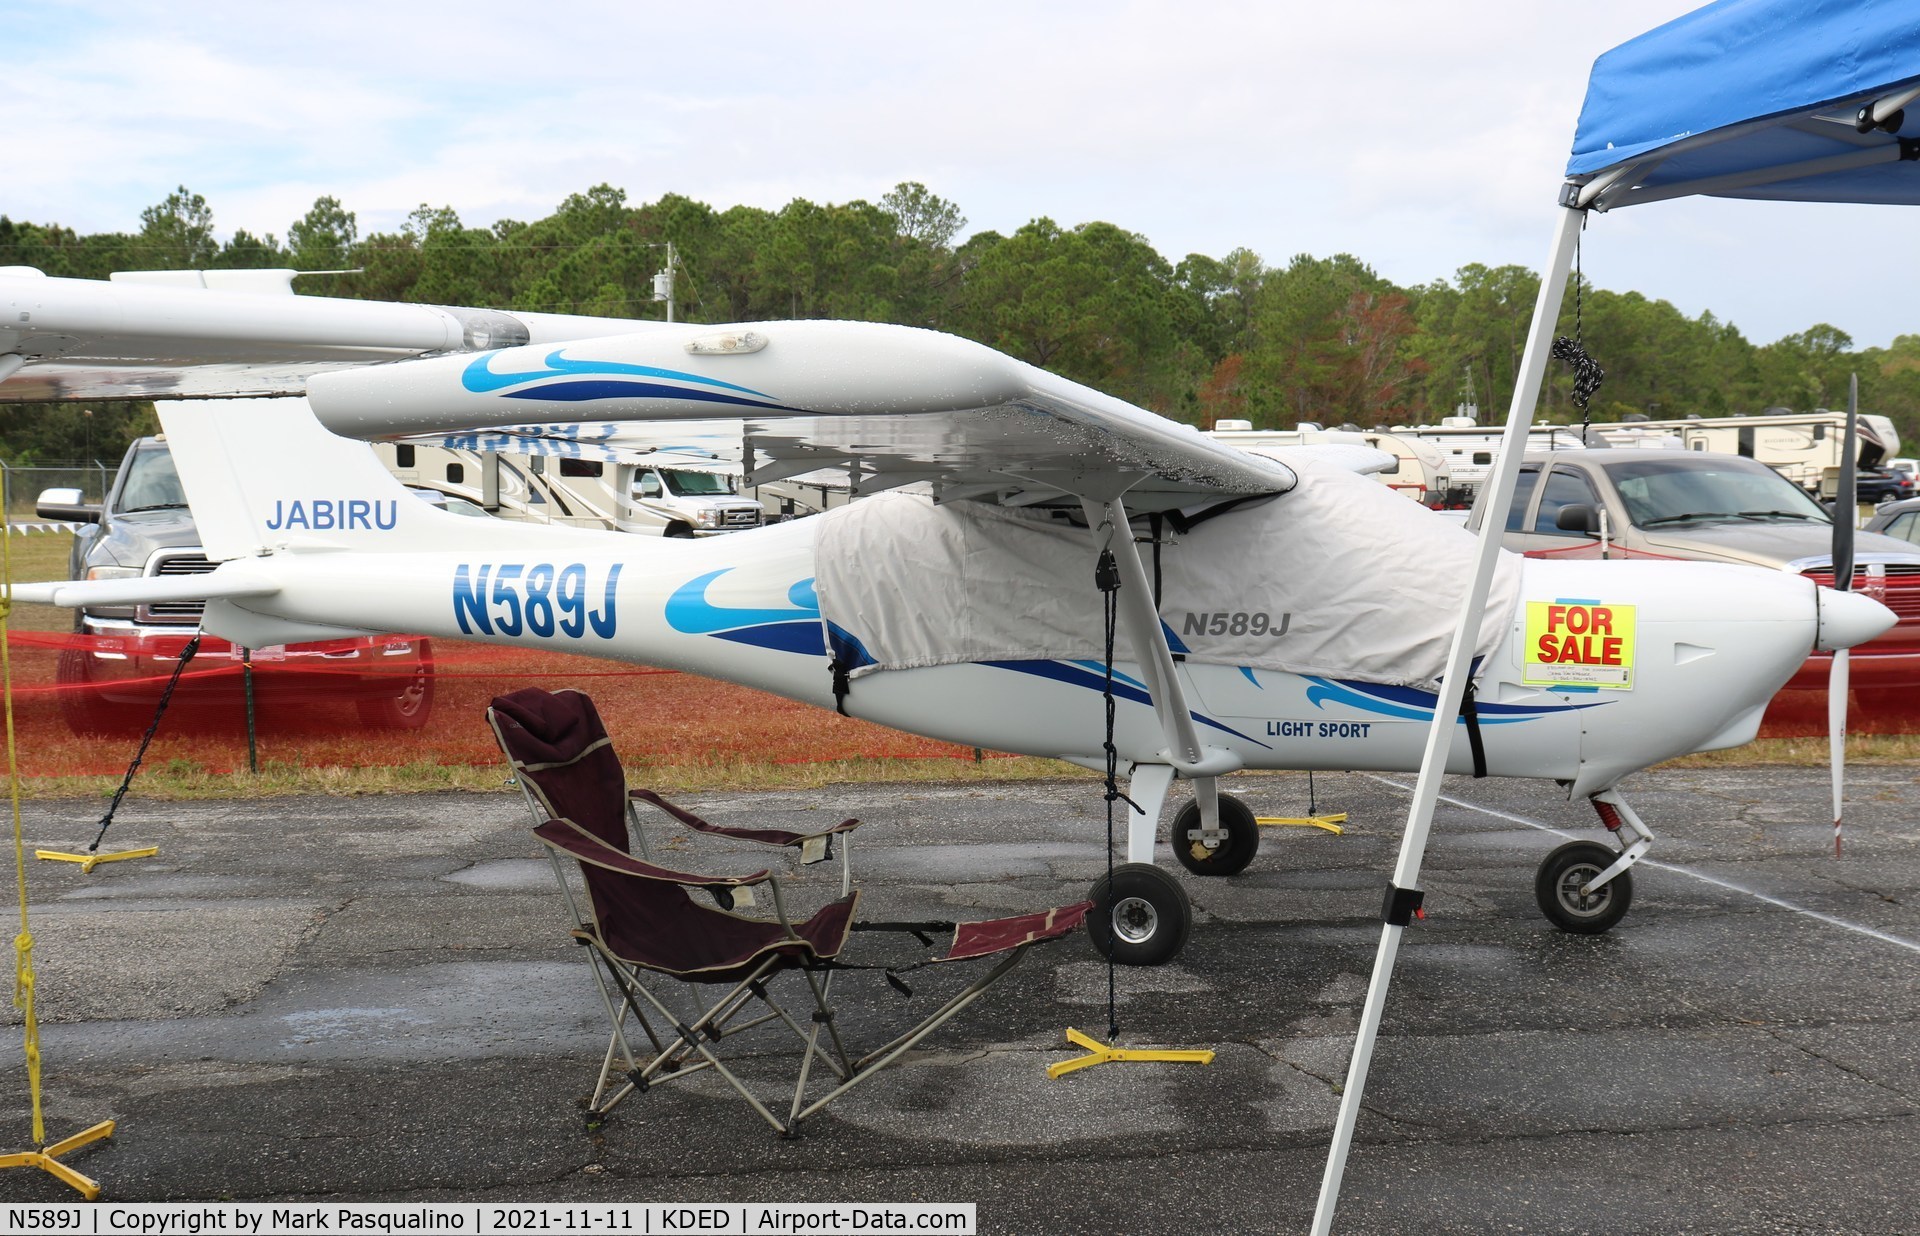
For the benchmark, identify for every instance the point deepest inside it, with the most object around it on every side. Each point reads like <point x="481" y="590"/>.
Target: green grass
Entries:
<point x="181" y="780"/>
<point x="34" y="558"/>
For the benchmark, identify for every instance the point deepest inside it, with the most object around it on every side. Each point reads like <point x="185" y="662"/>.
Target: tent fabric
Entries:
<point x="1340" y="577"/>
<point x="1732" y="88"/>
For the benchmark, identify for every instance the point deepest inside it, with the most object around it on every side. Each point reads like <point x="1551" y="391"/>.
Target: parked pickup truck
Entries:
<point x="112" y="676"/>
<point x="1617" y="503"/>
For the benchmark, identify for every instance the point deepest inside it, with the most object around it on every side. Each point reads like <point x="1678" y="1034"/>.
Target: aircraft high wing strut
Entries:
<point x="1184" y="751"/>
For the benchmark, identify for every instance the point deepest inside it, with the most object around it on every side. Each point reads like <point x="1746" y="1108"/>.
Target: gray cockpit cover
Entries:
<point x="1340" y="577"/>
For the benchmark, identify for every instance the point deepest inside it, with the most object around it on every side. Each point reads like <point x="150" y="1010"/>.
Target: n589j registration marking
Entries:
<point x="1236" y="623"/>
<point x="540" y="598"/>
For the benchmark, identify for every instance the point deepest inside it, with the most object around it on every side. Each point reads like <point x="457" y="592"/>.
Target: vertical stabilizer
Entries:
<point x="262" y="475"/>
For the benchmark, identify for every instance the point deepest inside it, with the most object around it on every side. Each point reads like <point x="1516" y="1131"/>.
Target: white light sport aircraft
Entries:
<point x="1272" y="613"/>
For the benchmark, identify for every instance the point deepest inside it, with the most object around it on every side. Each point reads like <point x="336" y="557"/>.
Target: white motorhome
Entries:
<point x="1422" y="473"/>
<point x="1804" y="447"/>
<point x="1469" y="447"/>
<point x="665" y="493"/>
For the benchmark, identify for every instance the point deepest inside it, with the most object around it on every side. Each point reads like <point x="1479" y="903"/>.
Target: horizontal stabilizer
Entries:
<point x="145" y="590"/>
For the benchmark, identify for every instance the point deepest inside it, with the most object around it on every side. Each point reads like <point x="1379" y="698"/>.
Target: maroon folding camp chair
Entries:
<point x="566" y="767"/>
<point x="642" y="918"/>
<point x="564" y="762"/>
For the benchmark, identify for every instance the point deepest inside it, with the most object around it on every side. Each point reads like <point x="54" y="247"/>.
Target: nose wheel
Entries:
<point x="1564" y="889"/>
<point x="1140" y="914"/>
<point x="1585" y="887"/>
<point x="1230" y="854"/>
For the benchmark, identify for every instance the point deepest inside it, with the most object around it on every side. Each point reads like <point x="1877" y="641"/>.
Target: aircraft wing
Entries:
<point x="147" y="338"/>
<point x="889" y="405"/>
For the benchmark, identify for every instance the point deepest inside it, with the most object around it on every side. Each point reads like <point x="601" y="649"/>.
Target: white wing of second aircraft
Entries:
<point x="885" y="405"/>
<point x="890" y="405"/>
<point x="154" y="338"/>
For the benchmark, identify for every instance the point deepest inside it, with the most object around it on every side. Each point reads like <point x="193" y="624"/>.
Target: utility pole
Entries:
<point x="663" y="282"/>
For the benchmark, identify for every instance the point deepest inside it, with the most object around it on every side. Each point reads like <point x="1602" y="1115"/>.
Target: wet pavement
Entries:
<point x="374" y="999"/>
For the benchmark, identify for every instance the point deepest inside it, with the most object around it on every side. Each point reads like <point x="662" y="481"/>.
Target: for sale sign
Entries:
<point x="1579" y="644"/>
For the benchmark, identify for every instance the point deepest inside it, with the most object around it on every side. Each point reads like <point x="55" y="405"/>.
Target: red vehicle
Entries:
<point x="123" y="656"/>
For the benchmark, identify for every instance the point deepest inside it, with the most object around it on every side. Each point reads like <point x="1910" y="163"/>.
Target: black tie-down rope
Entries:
<point x="1106" y="575"/>
<point x="106" y="821"/>
<point x="1587" y="373"/>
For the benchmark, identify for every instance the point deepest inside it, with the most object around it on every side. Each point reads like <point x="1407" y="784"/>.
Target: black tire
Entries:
<point x="1232" y="855"/>
<point x="82" y="706"/>
<point x="1557" y="888"/>
<point x="410" y="707"/>
<point x="1142" y="917"/>
<point x="681" y="531"/>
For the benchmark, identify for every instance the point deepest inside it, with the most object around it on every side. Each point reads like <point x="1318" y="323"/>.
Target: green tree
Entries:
<point x="923" y="216"/>
<point x="177" y="234"/>
<point x="323" y="238"/>
<point x="245" y="251"/>
<point x="1091" y="303"/>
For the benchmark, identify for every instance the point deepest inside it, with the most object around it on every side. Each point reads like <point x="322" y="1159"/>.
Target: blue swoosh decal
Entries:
<point x="1075" y="676"/>
<point x="479" y="377"/>
<point x="582" y="391"/>
<point x="1100" y="668"/>
<point x="689" y="612"/>
<point x="1412" y="704"/>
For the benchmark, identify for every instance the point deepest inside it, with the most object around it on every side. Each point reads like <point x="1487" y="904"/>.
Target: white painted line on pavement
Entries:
<point x="1689" y="872"/>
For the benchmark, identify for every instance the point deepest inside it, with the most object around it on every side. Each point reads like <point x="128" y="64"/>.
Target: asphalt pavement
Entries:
<point x="332" y="999"/>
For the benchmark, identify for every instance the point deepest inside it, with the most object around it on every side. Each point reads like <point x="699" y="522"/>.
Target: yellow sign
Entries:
<point x="1578" y="644"/>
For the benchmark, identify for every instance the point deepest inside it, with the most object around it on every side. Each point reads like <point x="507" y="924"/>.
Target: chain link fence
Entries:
<point x="20" y="487"/>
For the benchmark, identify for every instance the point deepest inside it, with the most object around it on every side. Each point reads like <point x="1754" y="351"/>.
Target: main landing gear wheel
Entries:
<point x="1142" y="916"/>
<point x="1233" y="853"/>
<point x="1565" y="872"/>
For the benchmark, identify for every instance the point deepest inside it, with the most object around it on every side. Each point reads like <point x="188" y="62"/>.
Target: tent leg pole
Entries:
<point x="1490" y="512"/>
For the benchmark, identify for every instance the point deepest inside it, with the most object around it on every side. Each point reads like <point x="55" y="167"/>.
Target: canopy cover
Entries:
<point x="1756" y="99"/>
<point x="1350" y="580"/>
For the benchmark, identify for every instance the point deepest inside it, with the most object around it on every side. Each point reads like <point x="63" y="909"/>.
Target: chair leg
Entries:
<point x="690" y="1036"/>
<point x="617" y="1041"/>
<point x="843" y="1067"/>
<point x="874" y="1061"/>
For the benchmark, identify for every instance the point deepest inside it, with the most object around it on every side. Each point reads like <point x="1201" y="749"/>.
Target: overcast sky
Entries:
<point x="1418" y="136"/>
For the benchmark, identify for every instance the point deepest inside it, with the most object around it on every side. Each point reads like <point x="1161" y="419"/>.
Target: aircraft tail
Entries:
<point x="262" y="475"/>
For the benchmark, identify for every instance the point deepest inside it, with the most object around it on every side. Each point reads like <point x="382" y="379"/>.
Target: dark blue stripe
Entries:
<point x="608" y="388"/>
<point x="800" y="637"/>
<point x="1097" y="682"/>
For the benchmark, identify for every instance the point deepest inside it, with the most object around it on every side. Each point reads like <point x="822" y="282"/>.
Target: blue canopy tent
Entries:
<point x="1789" y="100"/>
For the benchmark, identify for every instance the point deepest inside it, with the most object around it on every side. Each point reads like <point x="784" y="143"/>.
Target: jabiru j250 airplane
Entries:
<point x="1280" y="612"/>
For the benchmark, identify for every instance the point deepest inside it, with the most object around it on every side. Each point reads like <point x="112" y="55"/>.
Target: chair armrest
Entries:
<point x="569" y="838"/>
<point x="759" y="836"/>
